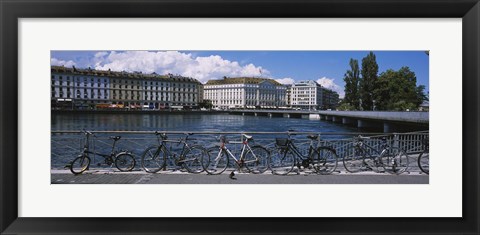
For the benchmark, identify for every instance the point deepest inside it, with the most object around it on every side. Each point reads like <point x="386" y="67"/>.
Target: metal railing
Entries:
<point x="66" y="145"/>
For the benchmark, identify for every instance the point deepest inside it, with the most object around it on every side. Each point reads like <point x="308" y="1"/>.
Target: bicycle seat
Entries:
<point x="188" y="133"/>
<point x="248" y="137"/>
<point x="115" y="137"/>
<point x="313" y="137"/>
<point x="363" y="137"/>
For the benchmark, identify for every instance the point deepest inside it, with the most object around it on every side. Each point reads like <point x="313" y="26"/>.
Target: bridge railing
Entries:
<point x="66" y="145"/>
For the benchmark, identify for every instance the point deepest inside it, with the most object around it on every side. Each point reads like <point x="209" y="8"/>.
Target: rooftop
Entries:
<point x="241" y="80"/>
<point x="306" y="83"/>
<point x="122" y="74"/>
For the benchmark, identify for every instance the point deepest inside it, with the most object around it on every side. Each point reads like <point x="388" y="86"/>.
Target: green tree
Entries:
<point x="397" y="90"/>
<point x="344" y="106"/>
<point x="351" y="79"/>
<point x="368" y="81"/>
<point x="206" y="104"/>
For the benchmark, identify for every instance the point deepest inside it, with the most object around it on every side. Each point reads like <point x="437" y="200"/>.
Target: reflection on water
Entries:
<point x="190" y="122"/>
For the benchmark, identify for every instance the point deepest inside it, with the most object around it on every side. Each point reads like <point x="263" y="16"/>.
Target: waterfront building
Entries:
<point x="171" y="91"/>
<point x="311" y="95"/>
<point x="88" y="88"/>
<point x="245" y="92"/>
<point x="69" y="85"/>
<point x="288" y="95"/>
<point x="126" y="90"/>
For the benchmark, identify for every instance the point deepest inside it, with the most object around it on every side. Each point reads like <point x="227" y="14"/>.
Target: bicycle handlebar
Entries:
<point x="88" y="132"/>
<point x="289" y="132"/>
<point x="161" y="134"/>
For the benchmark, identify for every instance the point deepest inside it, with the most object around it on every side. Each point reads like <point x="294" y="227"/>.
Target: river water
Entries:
<point x="191" y="122"/>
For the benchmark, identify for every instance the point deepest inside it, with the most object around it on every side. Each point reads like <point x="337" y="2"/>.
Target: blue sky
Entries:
<point x="325" y="67"/>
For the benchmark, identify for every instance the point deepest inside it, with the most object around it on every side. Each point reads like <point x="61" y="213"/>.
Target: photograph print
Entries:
<point x="239" y="117"/>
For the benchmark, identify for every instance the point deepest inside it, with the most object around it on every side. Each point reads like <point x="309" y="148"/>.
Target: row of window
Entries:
<point x="59" y="80"/>
<point x="78" y="84"/>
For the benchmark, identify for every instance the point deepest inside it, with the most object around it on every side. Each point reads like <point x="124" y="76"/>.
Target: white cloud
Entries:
<point x="163" y="62"/>
<point x="285" y="80"/>
<point x="329" y="83"/>
<point x="55" y="61"/>
<point x="100" y="54"/>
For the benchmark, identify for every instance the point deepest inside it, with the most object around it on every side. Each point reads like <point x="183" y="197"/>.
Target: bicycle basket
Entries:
<point x="281" y="142"/>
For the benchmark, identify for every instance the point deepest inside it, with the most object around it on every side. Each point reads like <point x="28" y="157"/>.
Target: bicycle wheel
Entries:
<point x="125" y="161"/>
<point x="256" y="159"/>
<point x="424" y="162"/>
<point x="80" y="164"/>
<point x="353" y="160"/>
<point x="193" y="159"/>
<point x="215" y="162"/>
<point x="325" y="160"/>
<point x="153" y="159"/>
<point x="281" y="161"/>
<point x="374" y="163"/>
<point x="395" y="160"/>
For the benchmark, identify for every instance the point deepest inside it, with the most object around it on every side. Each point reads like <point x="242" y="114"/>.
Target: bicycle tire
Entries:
<point x="215" y="162"/>
<point x="193" y="159"/>
<point x="396" y="160"/>
<point x="353" y="160"/>
<point x="153" y="160"/>
<point x="325" y="160"/>
<point x="84" y="163"/>
<point x="424" y="162"/>
<point x="125" y="161"/>
<point x="281" y="161"/>
<point x="256" y="159"/>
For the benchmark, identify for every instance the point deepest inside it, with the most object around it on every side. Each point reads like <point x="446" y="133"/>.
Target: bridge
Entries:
<point x="378" y="120"/>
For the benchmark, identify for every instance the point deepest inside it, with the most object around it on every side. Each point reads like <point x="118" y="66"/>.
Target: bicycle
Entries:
<point x="390" y="159"/>
<point x="253" y="158"/>
<point x="423" y="158"/>
<point x="124" y="160"/>
<point x="154" y="158"/>
<point x="322" y="159"/>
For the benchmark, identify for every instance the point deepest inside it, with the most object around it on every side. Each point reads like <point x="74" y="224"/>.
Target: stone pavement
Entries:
<point x="139" y="177"/>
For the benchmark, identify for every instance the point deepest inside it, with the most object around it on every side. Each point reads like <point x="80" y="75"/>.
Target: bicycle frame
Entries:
<point x="169" y="153"/>
<point x="365" y="147"/>
<point x="297" y="152"/>
<point x="245" y="147"/>
<point x="86" y="148"/>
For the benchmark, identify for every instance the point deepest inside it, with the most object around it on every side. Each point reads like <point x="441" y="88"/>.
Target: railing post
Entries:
<point x="396" y="141"/>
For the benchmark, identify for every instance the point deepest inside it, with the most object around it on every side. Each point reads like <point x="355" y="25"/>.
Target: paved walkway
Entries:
<point x="110" y="177"/>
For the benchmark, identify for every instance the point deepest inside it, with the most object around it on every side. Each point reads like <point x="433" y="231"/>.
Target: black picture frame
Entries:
<point x="11" y="11"/>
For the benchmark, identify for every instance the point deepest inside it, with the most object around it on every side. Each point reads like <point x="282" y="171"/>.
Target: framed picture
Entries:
<point x="67" y="63"/>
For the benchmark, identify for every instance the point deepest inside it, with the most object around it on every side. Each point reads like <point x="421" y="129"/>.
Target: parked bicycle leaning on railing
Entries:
<point x="423" y="159"/>
<point x="364" y="156"/>
<point x="154" y="158"/>
<point x="253" y="158"/>
<point x="322" y="159"/>
<point x="123" y="160"/>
